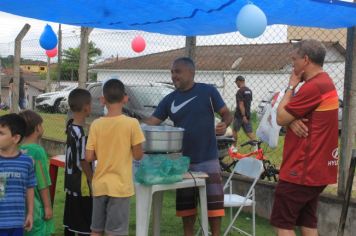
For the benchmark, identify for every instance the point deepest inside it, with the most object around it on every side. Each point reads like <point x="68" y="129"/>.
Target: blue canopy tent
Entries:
<point x="182" y="17"/>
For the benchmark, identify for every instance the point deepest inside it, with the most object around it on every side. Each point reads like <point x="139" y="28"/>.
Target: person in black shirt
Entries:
<point x="78" y="172"/>
<point x="243" y="109"/>
<point x="22" y="99"/>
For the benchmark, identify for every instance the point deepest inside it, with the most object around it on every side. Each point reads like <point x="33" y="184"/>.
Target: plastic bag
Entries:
<point x="161" y="169"/>
<point x="268" y="129"/>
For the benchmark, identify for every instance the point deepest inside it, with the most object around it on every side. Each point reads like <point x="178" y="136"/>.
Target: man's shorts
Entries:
<point x="238" y="123"/>
<point x="295" y="205"/>
<point x="186" y="199"/>
<point x="111" y="215"/>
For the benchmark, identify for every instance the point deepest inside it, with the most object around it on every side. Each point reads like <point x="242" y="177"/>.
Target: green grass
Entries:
<point x="170" y="224"/>
<point x="53" y="124"/>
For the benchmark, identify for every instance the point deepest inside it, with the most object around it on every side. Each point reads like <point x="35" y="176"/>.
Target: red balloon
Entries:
<point x="138" y="44"/>
<point x="52" y="53"/>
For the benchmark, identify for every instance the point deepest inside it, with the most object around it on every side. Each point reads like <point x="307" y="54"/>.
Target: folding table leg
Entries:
<point x="157" y="212"/>
<point x="143" y="209"/>
<point x="204" y="210"/>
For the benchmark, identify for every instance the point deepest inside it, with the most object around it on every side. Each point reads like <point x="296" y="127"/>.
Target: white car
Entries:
<point x="50" y="101"/>
<point x="63" y="105"/>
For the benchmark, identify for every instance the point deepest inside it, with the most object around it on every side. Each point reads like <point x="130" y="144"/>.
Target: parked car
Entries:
<point x="271" y="98"/>
<point x="63" y="105"/>
<point x="50" y="101"/>
<point x="143" y="99"/>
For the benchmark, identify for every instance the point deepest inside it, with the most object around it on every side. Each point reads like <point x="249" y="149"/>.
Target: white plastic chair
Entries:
<point x="252" y="168"/>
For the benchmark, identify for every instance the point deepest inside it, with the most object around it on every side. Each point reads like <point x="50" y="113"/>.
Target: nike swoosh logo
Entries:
<point x="175" y="109"/>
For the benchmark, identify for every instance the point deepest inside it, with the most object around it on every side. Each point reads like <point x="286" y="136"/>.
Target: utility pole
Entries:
<point x="59" y="55"/>
<point x="48" y="76"/>
<point x="84" y="51"/>
<point x="190" y="46"/>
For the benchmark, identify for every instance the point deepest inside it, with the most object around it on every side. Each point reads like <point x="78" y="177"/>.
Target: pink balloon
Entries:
<point x="52" y="53"/>
<point x="138" y="44"/>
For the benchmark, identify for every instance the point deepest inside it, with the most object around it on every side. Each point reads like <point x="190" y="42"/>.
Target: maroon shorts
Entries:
<point x="295" y="205"/>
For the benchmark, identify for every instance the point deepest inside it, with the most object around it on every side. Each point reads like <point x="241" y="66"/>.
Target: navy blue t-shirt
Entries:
<point x="194" y="111"/>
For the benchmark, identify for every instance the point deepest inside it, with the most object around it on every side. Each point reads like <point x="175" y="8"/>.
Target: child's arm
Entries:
<point x="137" y="152"/>
<point x="90" y="155"/>
<point x="46" y="203"/>
<point x="87" y="170"/>
<point x="30" y="193"/>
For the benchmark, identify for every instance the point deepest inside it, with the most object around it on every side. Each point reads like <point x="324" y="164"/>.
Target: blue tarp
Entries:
<point x="182" y="17"/>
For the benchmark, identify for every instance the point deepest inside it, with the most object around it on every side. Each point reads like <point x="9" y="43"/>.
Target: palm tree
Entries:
<point x="71" y="57"/>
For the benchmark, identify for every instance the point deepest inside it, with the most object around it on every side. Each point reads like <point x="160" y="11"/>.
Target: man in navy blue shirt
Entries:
<point x="192" y="106"/>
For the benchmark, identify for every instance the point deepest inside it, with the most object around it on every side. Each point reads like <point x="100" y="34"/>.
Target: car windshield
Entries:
<point x="150" y="96"/>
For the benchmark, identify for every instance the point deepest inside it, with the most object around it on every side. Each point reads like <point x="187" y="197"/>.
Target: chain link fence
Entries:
<point x="264" y="62"/>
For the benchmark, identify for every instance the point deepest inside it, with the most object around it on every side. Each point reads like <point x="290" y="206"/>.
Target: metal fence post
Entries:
<point x="17" y="61"/>
<point x="349" y="110"/>
<point x="347" y="196"/>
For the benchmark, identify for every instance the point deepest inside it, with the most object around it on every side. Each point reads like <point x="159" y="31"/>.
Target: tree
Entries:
<point x="70" y="64"/>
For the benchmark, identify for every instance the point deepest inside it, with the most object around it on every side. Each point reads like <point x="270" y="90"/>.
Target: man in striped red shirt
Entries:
<point x="310" y="155"/>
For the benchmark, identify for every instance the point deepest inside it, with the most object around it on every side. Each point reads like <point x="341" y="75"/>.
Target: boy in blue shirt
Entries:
<point x="17" y="179"/>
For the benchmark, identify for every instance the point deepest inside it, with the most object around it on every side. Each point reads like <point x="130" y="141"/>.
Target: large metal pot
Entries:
<point x="162" y="139"/>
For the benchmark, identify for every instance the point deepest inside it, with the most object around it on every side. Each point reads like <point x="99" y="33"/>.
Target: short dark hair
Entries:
<point x="314" y="49"/>
<point x="32" y="120"/>
<point x="15" y="123"/>
<point x="113" y="91"/>
<point x="78" y="98"/>
<point x="187" y="61"/>
<point x="240" y="78"/>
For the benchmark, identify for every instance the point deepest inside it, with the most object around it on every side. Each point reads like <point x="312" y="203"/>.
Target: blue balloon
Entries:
<point x="48" y="39"/>
<point x="251" y="21"/>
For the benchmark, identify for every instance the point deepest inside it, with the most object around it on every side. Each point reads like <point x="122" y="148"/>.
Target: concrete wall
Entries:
<point x="53" y="147"/>
<point x="329" y="208"/>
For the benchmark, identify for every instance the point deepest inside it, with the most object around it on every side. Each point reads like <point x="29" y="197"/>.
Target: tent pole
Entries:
<point x="349" y="111"/>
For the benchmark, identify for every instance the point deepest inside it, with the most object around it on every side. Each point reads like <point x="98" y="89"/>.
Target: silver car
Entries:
<point x="143" y="99"/>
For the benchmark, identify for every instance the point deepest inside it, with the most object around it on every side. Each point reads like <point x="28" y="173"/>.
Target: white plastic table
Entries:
<point x="153" y="194"/>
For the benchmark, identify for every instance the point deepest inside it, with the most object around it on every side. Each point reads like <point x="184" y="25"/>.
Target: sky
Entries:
<point x="113" y="42"/>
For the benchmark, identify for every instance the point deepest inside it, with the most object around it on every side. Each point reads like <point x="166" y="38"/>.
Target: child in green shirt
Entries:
<point x="43" y="223"/>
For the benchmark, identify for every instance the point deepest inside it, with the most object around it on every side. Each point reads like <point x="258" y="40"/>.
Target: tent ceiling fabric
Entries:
<point x="182" y="17"/>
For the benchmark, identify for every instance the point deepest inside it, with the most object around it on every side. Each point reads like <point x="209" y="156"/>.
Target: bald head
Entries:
<point x="185" y="61"/>
<point x="183" y="72"/>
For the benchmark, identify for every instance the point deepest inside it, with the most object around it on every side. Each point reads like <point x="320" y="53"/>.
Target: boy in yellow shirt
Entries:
<point x="113" y="141"/>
